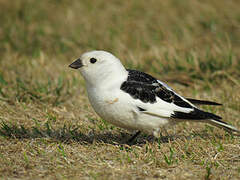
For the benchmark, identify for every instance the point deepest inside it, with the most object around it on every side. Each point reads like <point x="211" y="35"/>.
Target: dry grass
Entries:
<point x="48" y="130"/>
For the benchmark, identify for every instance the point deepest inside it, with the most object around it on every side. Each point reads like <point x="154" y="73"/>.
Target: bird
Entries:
<point x="137" y="101"/>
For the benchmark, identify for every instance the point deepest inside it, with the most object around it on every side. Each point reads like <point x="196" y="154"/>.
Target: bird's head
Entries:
<point x="99" y="66"/>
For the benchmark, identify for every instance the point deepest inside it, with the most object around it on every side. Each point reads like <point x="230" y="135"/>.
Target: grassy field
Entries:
<point x="48" y="130"/>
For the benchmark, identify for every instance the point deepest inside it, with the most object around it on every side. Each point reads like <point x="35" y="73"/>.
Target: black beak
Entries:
<point x="76" y="64"/>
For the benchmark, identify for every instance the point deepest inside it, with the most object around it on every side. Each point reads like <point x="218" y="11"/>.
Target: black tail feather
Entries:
<point x="202" y="116"/>
<point x="203" y="102"/>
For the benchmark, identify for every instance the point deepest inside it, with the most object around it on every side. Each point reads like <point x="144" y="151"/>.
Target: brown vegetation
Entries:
<point x="48" y="129"/>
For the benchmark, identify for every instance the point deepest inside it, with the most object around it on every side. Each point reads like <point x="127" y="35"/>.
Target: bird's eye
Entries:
<point x="93" y="60"/>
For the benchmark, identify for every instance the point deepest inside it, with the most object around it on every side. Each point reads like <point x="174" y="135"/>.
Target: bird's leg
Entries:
<point x="166" y="132"/>
<point x="164" y="137"/>
<point x="133" y="137"/>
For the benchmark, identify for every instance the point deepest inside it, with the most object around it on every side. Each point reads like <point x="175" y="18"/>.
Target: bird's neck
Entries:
<point x="109" y="80"/>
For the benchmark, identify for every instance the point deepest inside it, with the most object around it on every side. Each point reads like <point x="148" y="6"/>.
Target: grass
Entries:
<point x="48" y="129"/>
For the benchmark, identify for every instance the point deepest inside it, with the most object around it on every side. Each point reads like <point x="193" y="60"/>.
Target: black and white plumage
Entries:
<point x="146" y="88"/>
<point x="135" y="100"/>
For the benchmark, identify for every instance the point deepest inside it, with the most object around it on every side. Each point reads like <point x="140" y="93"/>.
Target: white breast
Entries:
<point x="111" y="107"/>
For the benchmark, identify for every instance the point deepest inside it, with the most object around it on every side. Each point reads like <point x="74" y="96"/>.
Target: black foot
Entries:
<point x="133" y="137"/>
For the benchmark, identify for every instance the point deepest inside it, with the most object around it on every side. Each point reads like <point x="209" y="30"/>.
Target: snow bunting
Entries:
<point x="135" y="100"/>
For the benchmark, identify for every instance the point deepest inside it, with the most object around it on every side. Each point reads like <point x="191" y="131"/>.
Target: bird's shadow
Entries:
<point x="67" y="134"/>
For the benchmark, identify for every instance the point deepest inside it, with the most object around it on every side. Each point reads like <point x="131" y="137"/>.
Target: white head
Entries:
<point x="99" y="67"/>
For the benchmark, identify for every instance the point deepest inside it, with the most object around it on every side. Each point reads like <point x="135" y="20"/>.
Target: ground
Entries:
<point x="48" y="130"/>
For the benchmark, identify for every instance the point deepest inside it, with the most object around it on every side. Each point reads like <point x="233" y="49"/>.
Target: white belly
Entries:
<point x="118" y="109"/>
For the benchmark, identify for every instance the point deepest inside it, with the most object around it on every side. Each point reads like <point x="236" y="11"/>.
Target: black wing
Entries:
<point x="202" y="102"/>
<point x="196" y="114"/>
<point x="146" y="88"/>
